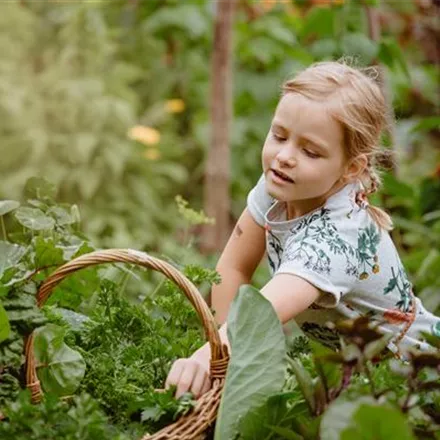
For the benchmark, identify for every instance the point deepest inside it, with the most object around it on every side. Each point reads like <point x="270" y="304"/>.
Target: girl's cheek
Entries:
<point x="267" y="153"/>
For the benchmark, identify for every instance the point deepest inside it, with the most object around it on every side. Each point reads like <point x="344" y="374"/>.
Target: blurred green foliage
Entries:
<point x="78" y="79"/>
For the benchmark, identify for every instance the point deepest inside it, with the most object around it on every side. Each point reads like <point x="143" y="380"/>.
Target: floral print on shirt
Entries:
<point x="400" y="282"/>
<point x="368" y="241"/>
<point x="305" y="244"/>
<point x="315" y="230"/>
<point x="319" y="228"/>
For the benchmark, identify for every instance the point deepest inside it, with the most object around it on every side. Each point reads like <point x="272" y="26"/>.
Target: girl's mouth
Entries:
<point x="279" y="177"/>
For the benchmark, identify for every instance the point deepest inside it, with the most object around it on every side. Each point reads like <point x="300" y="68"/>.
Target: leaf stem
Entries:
<point x="370" y="380"/>
<point x="158" y="286"/>
<point x="3" y="228"/>
<point x="125" y="279"/>
<point x="345" y="381"/>
<point x="411" y="387"/>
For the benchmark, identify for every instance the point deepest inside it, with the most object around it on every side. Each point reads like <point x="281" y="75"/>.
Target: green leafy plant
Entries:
<point x="331" y="395"/>
<point x="78" y="419"/>
<point x="89" y="336"/>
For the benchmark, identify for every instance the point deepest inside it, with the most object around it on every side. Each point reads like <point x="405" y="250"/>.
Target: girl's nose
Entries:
<point x="285" y="157"/>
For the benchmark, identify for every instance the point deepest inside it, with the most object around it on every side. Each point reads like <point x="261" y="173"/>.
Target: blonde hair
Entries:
<point x="355" y="100"/>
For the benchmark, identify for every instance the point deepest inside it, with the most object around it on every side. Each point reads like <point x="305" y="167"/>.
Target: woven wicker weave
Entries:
<point x="193" y="425"/>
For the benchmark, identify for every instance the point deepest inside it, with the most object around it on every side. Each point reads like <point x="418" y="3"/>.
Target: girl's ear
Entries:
<point x="355" y="168"/>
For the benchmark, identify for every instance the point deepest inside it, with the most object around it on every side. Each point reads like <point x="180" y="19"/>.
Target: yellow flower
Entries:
<point x="152" y="154"/>
<point x="363" y="276"/>
<point x="145" y="135"/>
<point x="376" y="268"/>
<point x="175" y="106"/>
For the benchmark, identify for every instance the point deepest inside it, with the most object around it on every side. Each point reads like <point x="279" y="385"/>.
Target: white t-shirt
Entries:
<point x="340" y="250"/>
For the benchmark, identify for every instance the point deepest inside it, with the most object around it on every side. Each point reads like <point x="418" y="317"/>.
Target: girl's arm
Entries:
<point x="238" y="261"/>
<point x="289" y="295"/>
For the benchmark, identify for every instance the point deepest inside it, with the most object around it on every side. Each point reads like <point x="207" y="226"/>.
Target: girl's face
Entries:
<point x="303" y="156"/>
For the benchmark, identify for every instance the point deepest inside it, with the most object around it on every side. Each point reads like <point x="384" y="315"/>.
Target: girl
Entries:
<point x="330" y="254"/>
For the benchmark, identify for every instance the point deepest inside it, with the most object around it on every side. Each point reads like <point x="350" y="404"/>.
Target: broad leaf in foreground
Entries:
<point x="10" y="255"/>
<point x="258" y="359"/>
<point x="34" y="219"/>
<point x="8" y="206"/>
<point x="59" y="367"/>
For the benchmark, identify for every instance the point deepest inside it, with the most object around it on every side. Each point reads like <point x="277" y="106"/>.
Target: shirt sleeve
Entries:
<point x="259" y="201"/>
<point x="328" y="263"/>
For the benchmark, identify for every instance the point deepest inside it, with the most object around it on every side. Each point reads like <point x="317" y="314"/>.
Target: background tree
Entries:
<point x="216" y="195"/>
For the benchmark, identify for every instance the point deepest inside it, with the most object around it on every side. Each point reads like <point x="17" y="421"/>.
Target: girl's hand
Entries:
<point x="189" y="375"/>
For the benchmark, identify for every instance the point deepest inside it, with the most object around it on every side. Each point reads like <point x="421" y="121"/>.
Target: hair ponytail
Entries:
<point x="380" y="217"/>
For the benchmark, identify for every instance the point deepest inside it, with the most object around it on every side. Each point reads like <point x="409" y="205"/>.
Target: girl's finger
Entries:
<point x="206" y="385"/>
<point x="198" y="382"/>
<point x="186" y="379"/>
<point x="174" y="374"/>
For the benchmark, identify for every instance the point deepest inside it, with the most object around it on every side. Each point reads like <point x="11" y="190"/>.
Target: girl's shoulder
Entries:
<point x="259" y="201"/>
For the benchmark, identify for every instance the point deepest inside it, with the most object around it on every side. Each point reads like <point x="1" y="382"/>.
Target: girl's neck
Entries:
<point x="298" y="208"/>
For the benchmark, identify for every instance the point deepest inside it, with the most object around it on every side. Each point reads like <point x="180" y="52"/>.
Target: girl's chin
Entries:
<point x="280" y="196"/>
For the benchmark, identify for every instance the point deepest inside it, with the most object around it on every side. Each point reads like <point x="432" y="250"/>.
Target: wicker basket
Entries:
<point x="193" y="425"/>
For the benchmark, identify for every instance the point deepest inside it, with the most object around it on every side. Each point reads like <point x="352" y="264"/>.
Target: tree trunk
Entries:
<point x="216" y="189"/>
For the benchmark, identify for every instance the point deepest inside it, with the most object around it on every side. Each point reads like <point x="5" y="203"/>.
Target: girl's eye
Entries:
<point x="278" y="138"/>
<point x="312" y="155"/>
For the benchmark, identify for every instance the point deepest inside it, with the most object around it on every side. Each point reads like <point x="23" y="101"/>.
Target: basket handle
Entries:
<point x="142" y="259"/>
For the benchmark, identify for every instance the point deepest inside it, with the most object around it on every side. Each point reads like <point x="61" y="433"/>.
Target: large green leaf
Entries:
<point x="10" y="255"/>
<point x="8" y="206"/>
<point x="35" y="219"/>
<point x="5" y="328"/>
<point x="378" y="422"/>
<point x="257" y="366"/>
<point x="59" y="368"/>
